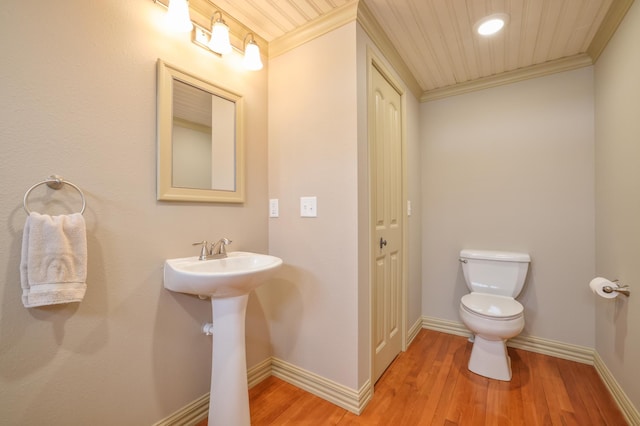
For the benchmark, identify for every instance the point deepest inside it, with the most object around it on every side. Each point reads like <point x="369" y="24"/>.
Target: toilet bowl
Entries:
<point x="490" y="310"/>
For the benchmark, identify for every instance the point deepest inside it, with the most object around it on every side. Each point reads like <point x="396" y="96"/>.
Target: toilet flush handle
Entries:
<point x="461" y="260"/>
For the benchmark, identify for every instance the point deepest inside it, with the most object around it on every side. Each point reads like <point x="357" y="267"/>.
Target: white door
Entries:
<point x="386" y="203"/>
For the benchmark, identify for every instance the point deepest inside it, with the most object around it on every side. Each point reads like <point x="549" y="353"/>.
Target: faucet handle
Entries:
<point x="223" y="245"/>
<point x="219" y="248"/>
<point x="204" y="251"/>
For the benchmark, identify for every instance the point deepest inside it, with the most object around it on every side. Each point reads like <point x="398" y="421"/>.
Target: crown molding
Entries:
<point x="313" y="29"/>
<point x="608" y="27"/>
<point x="359" y="11"/>
<point x="355" y="10"/>
<point x="373" y="29"/>
<point x="535" y="71"/>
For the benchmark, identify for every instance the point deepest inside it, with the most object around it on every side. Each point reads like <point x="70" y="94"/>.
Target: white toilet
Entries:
<point x="490" y="311"/>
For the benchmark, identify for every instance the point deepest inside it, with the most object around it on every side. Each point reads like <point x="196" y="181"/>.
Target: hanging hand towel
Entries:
<point x="53" y="268"/>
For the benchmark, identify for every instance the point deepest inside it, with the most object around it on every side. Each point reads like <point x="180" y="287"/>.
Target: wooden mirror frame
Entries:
<point x="165" y="190"/>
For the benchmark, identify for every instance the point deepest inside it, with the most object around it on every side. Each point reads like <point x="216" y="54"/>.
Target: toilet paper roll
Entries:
<point x="598" y="284"/>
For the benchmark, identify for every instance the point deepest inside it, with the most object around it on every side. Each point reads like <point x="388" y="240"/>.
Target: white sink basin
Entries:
<point x="228" y="282"/>
<point x="235" y="275"/>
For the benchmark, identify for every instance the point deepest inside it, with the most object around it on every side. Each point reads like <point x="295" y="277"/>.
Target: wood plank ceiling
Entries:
<point x="435" y="38"/>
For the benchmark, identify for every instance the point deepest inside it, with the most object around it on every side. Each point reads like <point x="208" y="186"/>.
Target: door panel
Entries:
<point x="386" y="202"/>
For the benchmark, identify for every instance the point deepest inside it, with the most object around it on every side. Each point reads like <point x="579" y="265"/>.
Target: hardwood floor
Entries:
<point x="430" y="385"/>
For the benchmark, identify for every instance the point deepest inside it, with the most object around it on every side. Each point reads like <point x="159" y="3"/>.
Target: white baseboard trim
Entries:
<point x="413" y="331"/>
<point x="259" y="372"/>
<point x="539" y="345"/>
<point x="554" y="348"/>
<point x="188" y="415"/>
<point x="445" y="326"/>
<point x="198" y="410"/>
<point x="626" y="406"/>
<point x="557" y="349"/>
<point x="338" y="394"/>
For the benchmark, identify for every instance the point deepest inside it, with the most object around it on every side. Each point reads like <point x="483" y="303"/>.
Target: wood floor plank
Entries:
<point x="579" y="397"/>
<point x="440" y="412"/>
<point x="513" y="397"/>
<point x="552" y="391"/>
<point x="600" y="399"/>
<point x="534" y="401"/>
<point x="431" y="385"/>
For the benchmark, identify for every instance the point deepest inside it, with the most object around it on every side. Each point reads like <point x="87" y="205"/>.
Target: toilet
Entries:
<point x="490" y="311"/>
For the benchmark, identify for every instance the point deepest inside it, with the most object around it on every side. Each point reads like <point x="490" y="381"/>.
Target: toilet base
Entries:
<point x="489" y="358"/>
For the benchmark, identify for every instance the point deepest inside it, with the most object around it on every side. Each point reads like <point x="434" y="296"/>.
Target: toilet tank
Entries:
<point x="495" y="272"/>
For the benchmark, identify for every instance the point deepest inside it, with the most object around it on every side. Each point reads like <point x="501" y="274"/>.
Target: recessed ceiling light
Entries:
<point x="491" y="24"/>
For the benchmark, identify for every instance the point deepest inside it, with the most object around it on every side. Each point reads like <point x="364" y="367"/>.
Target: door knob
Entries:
<point x="383" y="242"/>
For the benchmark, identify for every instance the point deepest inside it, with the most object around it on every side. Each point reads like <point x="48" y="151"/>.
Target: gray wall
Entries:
<point x="511" y="168"/>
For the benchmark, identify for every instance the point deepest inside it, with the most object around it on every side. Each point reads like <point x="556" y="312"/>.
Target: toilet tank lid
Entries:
<point x="503" y="256"/>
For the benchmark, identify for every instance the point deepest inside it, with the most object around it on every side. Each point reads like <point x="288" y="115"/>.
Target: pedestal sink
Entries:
<point x="228" y="282"/>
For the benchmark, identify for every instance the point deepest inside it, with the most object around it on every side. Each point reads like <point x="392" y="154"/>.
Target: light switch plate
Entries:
<point x="274" y="209"/>
<point x="308" y="207"/>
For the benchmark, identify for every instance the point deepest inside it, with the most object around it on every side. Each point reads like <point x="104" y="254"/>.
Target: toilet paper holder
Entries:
<point x="621" y="288"/>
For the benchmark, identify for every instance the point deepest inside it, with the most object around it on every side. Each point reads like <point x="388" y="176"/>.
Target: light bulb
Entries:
<point x="220" y="42"/>
<point x="177" y="17"/>
<point x="492" y="24"/>
<point x="252" y="60"/>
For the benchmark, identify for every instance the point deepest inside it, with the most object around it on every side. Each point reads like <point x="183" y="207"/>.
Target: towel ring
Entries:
<point x="53" y="182"/>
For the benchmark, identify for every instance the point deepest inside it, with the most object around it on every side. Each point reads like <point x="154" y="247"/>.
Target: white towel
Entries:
<point x="53" y="268"/>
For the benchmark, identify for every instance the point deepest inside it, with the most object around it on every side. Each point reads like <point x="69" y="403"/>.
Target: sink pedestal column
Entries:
<point x="229" y="397"/>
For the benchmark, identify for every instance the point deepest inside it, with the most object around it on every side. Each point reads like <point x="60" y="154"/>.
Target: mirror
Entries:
<point x="200" y="139"/>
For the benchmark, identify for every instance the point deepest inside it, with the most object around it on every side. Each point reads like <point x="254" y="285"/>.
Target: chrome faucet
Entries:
<point x="216" y="250"/>
<point x="219" y="249"/>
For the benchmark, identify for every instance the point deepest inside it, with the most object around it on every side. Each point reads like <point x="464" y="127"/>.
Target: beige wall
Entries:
<point x="319" y="306"/>
<point x="313" y="152"/>
<point x="617" y="101"/>
<point x="78" y="99"/>
<point x="511" y="168"/>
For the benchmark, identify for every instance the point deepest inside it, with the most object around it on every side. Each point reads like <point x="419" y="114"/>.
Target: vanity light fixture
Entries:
<point x="178" y="19"/>
<point x="252" y="60"/>
<point x="491" y="24"/>
<point x="218" y="39"/>
<point x="219" y="42"/>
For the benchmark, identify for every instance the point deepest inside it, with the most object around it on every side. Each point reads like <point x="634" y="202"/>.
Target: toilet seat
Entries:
<point x="492" y="306"/>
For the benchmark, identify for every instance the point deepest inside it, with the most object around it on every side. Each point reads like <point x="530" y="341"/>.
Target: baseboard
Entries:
<point x="338" y="394"/>
<point x="259" y="372"/>
<point x="188" y="415"/>
<point x="554" y="348"/>
<point x="539" y="345"/>
<point x="445" y="326"/>
<point x="198" y="410"/>
<point x="626" y="406"/>
<point x="413" y="331"/>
